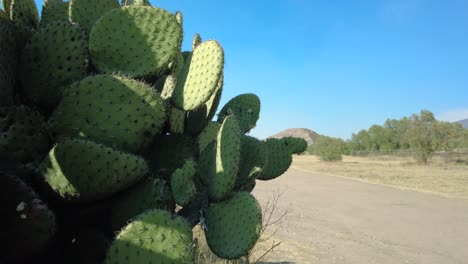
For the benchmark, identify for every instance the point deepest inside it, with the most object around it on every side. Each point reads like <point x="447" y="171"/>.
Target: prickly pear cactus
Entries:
<point x="108" y="148"/>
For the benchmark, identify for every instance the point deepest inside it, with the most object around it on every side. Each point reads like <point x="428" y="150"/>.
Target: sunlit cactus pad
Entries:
<point x="135" y="40"/>
<point x="153" y="237"/>
<point x="200" y="76"/>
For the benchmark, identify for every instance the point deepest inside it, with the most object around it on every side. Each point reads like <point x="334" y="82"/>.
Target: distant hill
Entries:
<point x="464" y="122"/>
<point x="307" y="134"/>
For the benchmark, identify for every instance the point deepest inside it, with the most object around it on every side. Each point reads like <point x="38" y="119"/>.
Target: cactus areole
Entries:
<point x="108" y="149"/>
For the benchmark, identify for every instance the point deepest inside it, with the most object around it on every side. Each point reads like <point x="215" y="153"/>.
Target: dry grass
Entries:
<point x="447" y="179"/>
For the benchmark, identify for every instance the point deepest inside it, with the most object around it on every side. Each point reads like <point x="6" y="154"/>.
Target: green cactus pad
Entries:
<point x="24" y="13"/>
<point x="219" y="163"/>
<point x="208" y="135"/>
<point x="279" y="159"/>
<point x="199" y="118"/>
<point x="4" y="15"/>
<point x="137" y="41"/>
<point x="180" y="18"/>
<point x="233" y="226"/>
<point x="246" y="108"/>
<point x="196" y="41"/>
<point x="29" y="224"/>
<point x="50" y="3"/>
<point x="112" y="110"/>
<point x="82" y="170"/>
<point x="6" y="4"/>
<point x="253" y="158"/>
<point x="86" y="12"/>
<point x="23" y="136"/>
<point x="8" y="62"/>
<point x="152" y="193"/>
<point x="177" y="120"/>
<point x="153" y="237"/>
<point x="296" y="145"/>
<point x="183" y="186"/>
<point x="54" y="57"/>
<point x="169" y="152"/>
<point x="199" y="77"/>
<point x="55" y="12"/>
<point x="168" y="87"/>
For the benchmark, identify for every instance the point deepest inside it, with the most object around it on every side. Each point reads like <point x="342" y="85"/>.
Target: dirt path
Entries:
<point x="337" y="220"/>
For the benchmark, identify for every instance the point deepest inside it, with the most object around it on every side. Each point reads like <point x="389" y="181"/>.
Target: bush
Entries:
<point x="329" y="148"/>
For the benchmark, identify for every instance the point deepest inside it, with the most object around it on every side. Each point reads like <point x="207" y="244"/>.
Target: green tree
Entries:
<point x="360" y="141"/>
<point x="329" y="148"/>
<point x="422" y="136"/>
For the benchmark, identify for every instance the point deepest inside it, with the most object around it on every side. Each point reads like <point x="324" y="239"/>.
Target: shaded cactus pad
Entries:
<point x="112" y="110"/>
<point x="151" y="193"/>
<point x="153" y="237"/>
<point x="23" y="136"/>
<point x="86" y="12"/>
<point x="246" y="108"/>
<point x="233" y="226"/>
<point x="84" y="170"/>
<point x="54" y="57"/>
<point x="279" y="158"/>
<point x="183" y="186"/>
<point x="136" y="41"/>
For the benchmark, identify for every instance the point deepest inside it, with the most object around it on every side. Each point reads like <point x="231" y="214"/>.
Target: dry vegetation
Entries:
<point x="447" y="179"/>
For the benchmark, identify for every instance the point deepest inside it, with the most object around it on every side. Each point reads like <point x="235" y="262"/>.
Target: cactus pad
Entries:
<point x="6" y="4"/>
<point x="183" y="186"/>
<point x="111" y="110"/>
<point x="208" y="135"/>
<point x="296" y="145"/>
<point x="55" y="12"/>
<point x="233" y="226"/>
<point x="246" y="108"/>
<point x="169" y="152"/>
<point x="23" y="135"/>
<point x="54" y="57"/>
<point x="153" y="237"/>
<point x="199" y="76"/>
<point x="24" y="13"/>
<point x="253" y="158"/>
<point x="136" y="41"/>
<point x="196" y="41"/>
<point x="199" y="118"/>
<point x="86" y="171"/>
<point x="177" y="120"/>
<point x="86" y="12"/>
<point x="220" y="162"/>
<point x="279" y="159"/>
<point x="152" y="193"/>
<point x="8" y="62"/>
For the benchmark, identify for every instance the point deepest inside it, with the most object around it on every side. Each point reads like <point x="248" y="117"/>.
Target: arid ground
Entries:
<point x="362" y="211"/>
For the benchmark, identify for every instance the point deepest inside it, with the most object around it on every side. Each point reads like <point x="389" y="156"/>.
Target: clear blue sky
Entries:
<point x="337" y="66"/>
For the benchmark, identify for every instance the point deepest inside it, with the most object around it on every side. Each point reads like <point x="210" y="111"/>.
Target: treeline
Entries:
<point x="421" y="133"/>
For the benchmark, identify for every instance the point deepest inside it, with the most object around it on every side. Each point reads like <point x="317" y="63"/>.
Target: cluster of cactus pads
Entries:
<point x="108" y="151"/>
